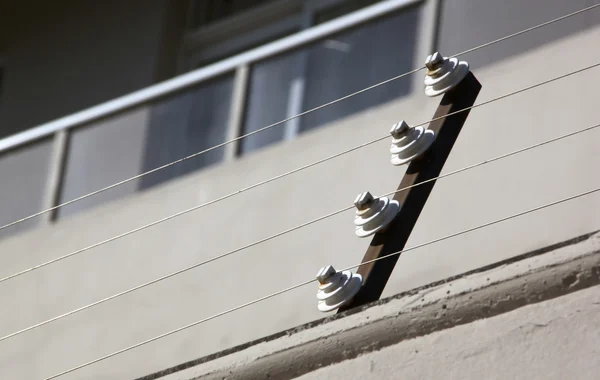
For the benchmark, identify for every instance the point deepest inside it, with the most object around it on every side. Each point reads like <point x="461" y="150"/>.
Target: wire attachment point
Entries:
<point x="409" y="143"/>
<point x="336" y="288"/>
<point x="443" y="74"/>
<point x="373" y="214"/>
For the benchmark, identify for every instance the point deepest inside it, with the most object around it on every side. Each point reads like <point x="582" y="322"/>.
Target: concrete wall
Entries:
<point x="490" y="304"/>
<point x="461" y="201"/>
<point x="63" y="56"/>
<point x="553" y="340"/>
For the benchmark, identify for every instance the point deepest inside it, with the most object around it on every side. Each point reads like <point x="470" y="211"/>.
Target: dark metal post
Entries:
<point x="393" y="239"/>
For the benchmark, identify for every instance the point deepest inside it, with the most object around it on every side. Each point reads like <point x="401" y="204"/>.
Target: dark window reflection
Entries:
<point x="184" y="124"/>
<point x="332" y="68"/>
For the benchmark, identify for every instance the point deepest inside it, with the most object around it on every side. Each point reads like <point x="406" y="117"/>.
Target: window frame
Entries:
<point x="259" y="25"/>
<point x="214" y="41"/>
<point x="297" y="87"/>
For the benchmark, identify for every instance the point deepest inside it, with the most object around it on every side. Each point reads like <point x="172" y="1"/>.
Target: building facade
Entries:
<point x="94" y="93"/>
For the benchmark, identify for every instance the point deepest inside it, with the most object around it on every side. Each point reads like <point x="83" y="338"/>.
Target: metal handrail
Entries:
<point x="181" y="82"/>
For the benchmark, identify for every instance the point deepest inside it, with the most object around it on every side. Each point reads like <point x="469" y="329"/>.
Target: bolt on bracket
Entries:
<point x="443" y="74"/>
<point x="409" y="143"/>
<point x="373" y="214"/>
<point x="336" y="288"/>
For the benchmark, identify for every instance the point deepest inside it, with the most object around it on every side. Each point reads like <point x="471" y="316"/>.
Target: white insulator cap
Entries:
<point x="443" y="74"/>
<point x="336" y="288"/>
<point x="409" y="143"/>
<point x="373" y="214"/>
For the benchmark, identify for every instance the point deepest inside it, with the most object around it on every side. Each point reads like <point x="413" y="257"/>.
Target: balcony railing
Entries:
<point x="86" y="151"/>
<point x="95" y="148"/>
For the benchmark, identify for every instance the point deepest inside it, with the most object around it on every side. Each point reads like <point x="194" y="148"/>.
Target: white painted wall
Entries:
<point x="462" y="201"/>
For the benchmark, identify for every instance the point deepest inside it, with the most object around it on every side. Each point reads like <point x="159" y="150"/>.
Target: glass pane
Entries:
<point x="101" y="154"/>
<point x="25" y="172"/>
<point x="324" y="71"/>
<point x="469" y="23"/>
<point x="141" y="139"/>
<point x="357" y="59"/>
<point x="185" y="124"/>
<point x="269" y="99"/>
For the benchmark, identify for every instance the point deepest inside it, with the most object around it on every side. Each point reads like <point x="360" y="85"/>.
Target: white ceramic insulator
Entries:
<point x="338" y="290"/>
<point x="381" y="212"/>
<point x="413" y="143"/>
<point x="443" y="79"/>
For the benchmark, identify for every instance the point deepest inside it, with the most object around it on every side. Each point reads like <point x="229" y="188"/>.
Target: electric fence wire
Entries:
<point x="451" y="173"/>
<point x="143" y="227"/>
<point x="331" y="214"/>
<point x="281" y="122"/>
<point x="220" y="314"/>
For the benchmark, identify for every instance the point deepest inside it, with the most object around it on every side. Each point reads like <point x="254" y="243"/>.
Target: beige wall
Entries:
<point x="461" y="201"/>
<point x="406" y="324"/>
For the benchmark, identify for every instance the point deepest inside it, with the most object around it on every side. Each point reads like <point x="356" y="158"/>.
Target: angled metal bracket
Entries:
<point x="447" y="126"/>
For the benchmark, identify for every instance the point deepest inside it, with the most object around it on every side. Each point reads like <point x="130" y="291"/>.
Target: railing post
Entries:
<point x="55" y="173"/>
<point x="236" y="110"/>
<point x="447" y="124"/>
<point x="427" y="35"/>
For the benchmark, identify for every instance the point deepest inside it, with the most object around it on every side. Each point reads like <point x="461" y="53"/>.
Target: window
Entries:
<point x="196" y="118"/>
<point x="186" y="123"/>
<point x="143" y="138"/>
<point x="221" y="28"/>
<point x="305" y="78"/>
<point x="329" y="69"/>
<point x="219" y="34"/>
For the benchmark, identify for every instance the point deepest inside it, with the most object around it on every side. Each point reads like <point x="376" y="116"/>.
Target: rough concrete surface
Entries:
<point x="484" y="293"/>
<point x="556" y="339"/>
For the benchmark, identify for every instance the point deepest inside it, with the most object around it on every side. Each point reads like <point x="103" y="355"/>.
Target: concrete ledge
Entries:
<point x="534" y="277"/>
